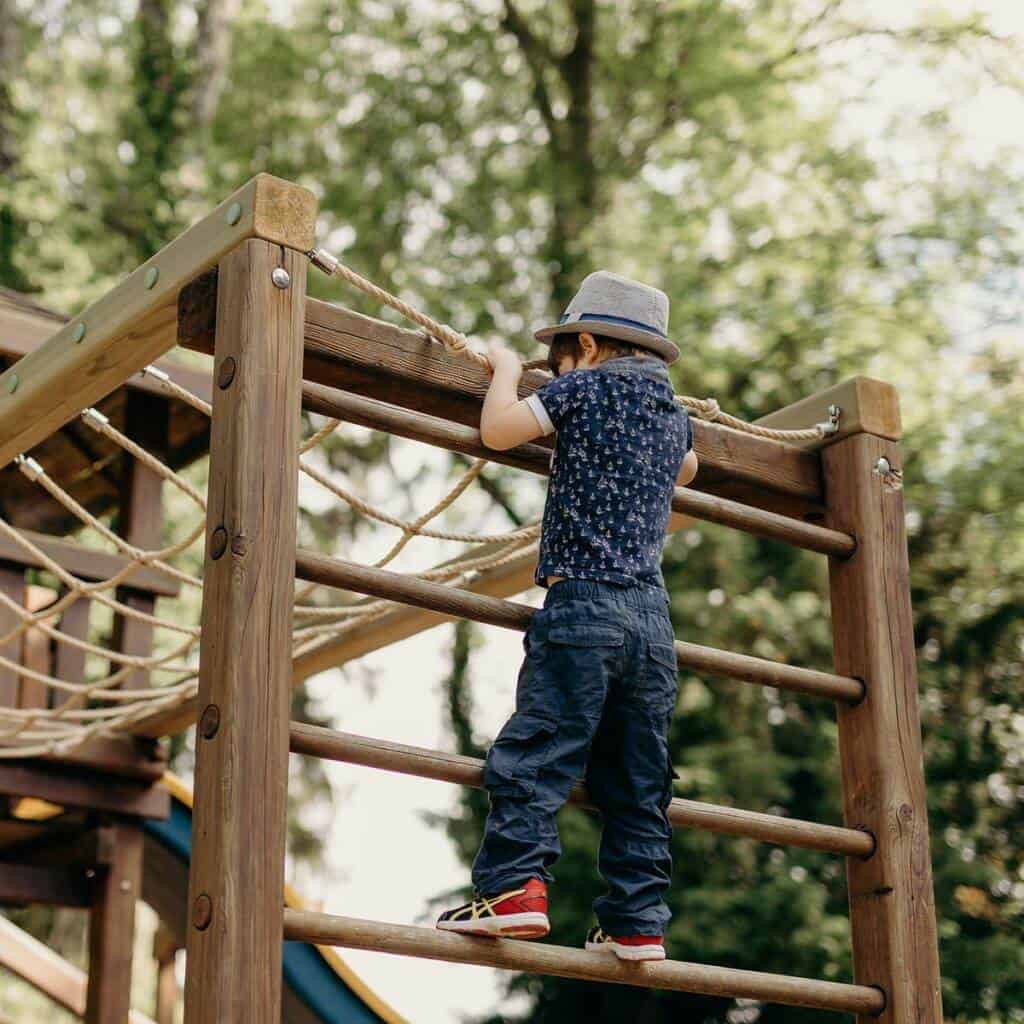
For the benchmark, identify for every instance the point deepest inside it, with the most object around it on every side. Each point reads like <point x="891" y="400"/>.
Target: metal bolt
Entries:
<point x="234" y="213"/>
<point x="152" y="276"/>
<point x="12" y="383"/>
<point x="202" y="912"/>
<point x="209" y="723"/>
<point x="79" y="332"/>
<point x="226" y="374"/>
<point x="883" y="465"/>
<point x="125" y="886"/>
<point x="280" y="277"/>
<point x="218" y="542"/>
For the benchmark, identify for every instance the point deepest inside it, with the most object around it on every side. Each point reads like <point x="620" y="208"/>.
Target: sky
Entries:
<point x="383" y="861"/>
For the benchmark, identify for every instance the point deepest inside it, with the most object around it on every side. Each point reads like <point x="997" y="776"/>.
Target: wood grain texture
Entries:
<point x="234" y="963"/>
<point x="12" y="583"/>
<point x="468" y="771"/>
<point x="457" y="602"/>
<point x="112" y="927"/>
<point x="141" y="524"/>
<point x="563" y="962"/>
<point x="536" y="459"/>
<point x="46" y="971"/>
<point x="891" y="898"/>
<point x="69" y="661"/>
<point x="133" y="324"/>
<point x="71" y="786"/>
<point x="86" y="563"/>
<point x="379" y="360"/>
<point x="866" y="406"/>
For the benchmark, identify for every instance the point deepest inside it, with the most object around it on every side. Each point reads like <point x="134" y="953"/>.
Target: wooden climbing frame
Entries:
<point x="219" y="289"/>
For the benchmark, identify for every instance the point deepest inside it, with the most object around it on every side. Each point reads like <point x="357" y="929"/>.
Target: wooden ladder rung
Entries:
<point x="315" y="741"/>
<point x="456" y="437"/>
<point x="564" y="962"/>
<point x="495" y="611"/>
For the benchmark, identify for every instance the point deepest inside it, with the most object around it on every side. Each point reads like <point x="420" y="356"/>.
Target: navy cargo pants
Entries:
<point x="593" y="700"/>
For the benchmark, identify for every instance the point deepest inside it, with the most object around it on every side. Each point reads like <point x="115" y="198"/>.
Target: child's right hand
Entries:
<point x="504" y="360"/>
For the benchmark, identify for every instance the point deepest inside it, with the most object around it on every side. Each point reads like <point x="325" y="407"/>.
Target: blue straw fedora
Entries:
<point x="617" y="307"/>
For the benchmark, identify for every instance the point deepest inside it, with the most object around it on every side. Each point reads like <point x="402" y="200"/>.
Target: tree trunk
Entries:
<point x="213" y="55"/>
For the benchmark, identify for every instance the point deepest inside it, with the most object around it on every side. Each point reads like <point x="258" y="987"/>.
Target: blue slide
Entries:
<point x="319" y="988"/>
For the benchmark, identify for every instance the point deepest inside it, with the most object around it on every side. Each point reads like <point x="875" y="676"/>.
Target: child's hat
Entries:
<point x="617" y="307"/>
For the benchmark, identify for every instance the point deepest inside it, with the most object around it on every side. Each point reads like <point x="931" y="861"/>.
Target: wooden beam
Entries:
<point x="865" y="406"/>
<point x="140" y="524"/>
<point x="563" y="962"/>
<point x="132" y="756"/>
<point x="22" y="884"/>
<point x="761" y="523"/>
<point x="234" y="944"/>
<point x="46" y="971"/>
<point x="468" y="771"/>
<point x="86" y="563"/>
<point x="334" y="572"/>
<point x="72" y="787"/>
<point x="36" y="653"/>
<point x="136" y="322"/>
<point x="112" y="928"/>
<point x="892" y="906"/>
<point x="12" y="583"/>
<point x="68" y="660"/>
<point x="378" y="360"/>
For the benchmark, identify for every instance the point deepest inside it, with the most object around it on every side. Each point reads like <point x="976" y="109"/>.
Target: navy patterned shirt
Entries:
<point x="621" y="440"/>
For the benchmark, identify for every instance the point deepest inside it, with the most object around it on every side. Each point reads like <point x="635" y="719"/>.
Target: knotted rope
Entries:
<point x="457" y="344"/>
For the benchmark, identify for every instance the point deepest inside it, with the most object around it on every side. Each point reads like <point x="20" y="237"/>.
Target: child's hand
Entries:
<point x="504" y="360"/>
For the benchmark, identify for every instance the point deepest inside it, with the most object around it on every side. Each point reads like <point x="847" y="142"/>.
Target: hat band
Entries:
<point x="607" y="318"/>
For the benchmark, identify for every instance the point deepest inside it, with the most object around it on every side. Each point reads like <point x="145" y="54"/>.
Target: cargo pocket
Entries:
<point x="515" y="757"/>
<point x="658" y="686"/>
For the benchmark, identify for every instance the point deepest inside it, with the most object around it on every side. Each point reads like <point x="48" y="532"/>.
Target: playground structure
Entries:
<point x="233" y="287"/>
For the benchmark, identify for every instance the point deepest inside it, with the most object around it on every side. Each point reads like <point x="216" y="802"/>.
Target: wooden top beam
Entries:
<point x="865" y="406"/>
<point x="136" y="321"/>
<point x="379" y="360"/>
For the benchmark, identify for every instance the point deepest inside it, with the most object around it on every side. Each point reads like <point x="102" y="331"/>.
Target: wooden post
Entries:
<point x="236" y="931"/>
<point x="112" y="926"/>
<point x="165" y="947"/>
<point x="69" y="661"/>
<point x="12" y="583"/>
<point x="891" y="899"/>
<point x="147" y="422"/>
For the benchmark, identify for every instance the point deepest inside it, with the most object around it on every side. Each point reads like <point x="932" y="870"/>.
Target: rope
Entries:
<point x="458" y="345"/>
<point x="106" y="706"/>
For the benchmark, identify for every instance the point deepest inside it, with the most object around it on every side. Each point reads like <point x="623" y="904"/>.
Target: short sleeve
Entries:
<point x="557" y="398"/>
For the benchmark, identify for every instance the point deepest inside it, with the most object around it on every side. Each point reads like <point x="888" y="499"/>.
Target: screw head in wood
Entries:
<point x="280" y="277"/>
<point x="12" y="383"/>
<point x="234" y="213"/>
<point x="152" y="276"/>
<point x="226" y="373"/>
<point x="883" y="465"/>
<point x="202" y="912"/>
<point x="79" y="332"/>
<point x="125" y="885"/>
<point x="209" y="723"/>
<point x="218" y="542"/>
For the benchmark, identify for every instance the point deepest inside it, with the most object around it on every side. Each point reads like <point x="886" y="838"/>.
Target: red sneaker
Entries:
<point x="518" y="913"/>
<point x="626" y="947"/>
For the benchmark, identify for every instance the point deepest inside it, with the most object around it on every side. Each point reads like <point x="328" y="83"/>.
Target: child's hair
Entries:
<point x="607" y="348"/>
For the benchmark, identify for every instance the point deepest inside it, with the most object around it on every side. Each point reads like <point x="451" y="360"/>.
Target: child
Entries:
<point x="597" y="688"/>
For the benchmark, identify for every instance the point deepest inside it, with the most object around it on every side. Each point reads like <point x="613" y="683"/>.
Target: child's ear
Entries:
<point x="588" y="346"/>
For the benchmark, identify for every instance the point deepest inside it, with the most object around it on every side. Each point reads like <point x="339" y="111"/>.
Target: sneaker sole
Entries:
<point x="633" y="953"/>
<point x="532" y="925"/>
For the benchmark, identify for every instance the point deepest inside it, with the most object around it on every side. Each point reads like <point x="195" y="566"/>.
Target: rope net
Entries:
<point x="53" y="715"/>
<point x="58" y="714"/>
